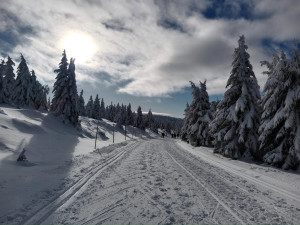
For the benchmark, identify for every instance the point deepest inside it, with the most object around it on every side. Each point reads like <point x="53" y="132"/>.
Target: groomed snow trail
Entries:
<point x="157" y="182"/>
<point x="71" y="192"/>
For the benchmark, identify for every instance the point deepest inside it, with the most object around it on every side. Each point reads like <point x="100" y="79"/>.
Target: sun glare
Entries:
<point x="79" y="45"/>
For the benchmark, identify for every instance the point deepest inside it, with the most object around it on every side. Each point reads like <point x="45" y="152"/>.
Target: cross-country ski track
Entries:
<point x="157" y="181"/>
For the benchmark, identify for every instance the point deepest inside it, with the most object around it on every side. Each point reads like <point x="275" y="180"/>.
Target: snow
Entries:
<point x="143" y="180"/>
<point x="49" y="146"/>
<point x="264" y="175"/>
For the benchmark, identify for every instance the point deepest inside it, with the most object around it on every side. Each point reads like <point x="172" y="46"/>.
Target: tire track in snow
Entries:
<point x="43" y="213"/>
<point x="207" y="189"/>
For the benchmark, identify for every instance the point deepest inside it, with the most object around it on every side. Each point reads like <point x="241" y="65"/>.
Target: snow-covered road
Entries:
<point x="156" y="181"/>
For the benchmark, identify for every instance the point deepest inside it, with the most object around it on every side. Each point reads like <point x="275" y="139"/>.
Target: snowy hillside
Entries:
<point x="143" y="180"/>
<point x="51" y="148"/>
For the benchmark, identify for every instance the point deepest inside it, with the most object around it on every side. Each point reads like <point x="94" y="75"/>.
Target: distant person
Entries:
<point x="163" y="135"/>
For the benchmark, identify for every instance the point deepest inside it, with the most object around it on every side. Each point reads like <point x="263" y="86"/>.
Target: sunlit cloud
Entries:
<point x="78" y="45"/>
<point x="145" y="48"/>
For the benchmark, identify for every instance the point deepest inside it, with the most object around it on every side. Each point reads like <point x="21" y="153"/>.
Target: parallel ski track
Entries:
<point x="207" y="189"/>
<point x="254" y="180"/>
<point x="43" y="213"/>
<point x="268" y="204"/>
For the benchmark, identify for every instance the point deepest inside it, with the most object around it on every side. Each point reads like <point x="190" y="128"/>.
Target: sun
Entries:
<point x="78" y="45"/>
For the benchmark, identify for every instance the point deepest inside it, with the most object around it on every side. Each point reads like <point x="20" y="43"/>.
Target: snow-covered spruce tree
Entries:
<point x="155" y="126"/>
<point x="123" y="110"/>
<point x="70" y="110"/>
<point x="168" y="127"/>
<point x="185" y="127"/>
<point x="199" y="117"/>
<point x="96" y="108"/>
<point x="110" y="112"/>
<point x="107" y="109"/>
<point x="43" y="102"/>
<point x="118" y="116"/>
<point x="235" y="127"/>
<point x="35" y="87"/>
<point x="81" y="107"/>
<point x="192" y="119"/>
<point x="41" y="97"/>
<point x="205" y="117"/>
<point x="269" y="105"/>
<point x="102" y="109"/>
<point x="129" y="115"/>
<point x="89" y="107"/>
<point x="295" y="69"/>
<point x="59" y="87"/>
<point x="134" y="118"/>
<point x="8" y="81"/>
<point x="139" y="119"/>
<point x="177" y="129"/>
<point x="2" y="66"/>
<point x="280" y="122"/>
<point x="38" y="94"/>
<point x="23" y="85"/>
<point x="64" y="102"/>
<point x="150" y="120"/>
<point x="48" y="104"/>
<point x="213" y="107"/>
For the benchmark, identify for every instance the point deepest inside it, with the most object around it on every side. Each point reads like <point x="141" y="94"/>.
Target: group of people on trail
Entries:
<point x="173" y="135"/>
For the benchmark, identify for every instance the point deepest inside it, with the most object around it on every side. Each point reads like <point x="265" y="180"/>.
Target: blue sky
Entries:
<point x="146" y="52"/>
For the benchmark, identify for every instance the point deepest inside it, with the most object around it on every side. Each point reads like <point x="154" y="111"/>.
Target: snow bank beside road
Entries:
<point x="285" y="182"/>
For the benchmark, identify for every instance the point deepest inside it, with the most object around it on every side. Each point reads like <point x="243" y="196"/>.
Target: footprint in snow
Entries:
<point x="156" y="197"/>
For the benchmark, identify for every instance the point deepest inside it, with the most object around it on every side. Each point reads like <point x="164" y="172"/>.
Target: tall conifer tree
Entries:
<point x="185" y="128"/>
<point x="23" y="85"/>
<point x="129" y="115"/>
<point x="96" y="108"/>
<point x="70" y="111"/>
<point x="139" y="119"/>
<point x="198" y="117"/>
<point x="81" y="105"/>
<point x="59" y="88"/>
<point x="89" y="107"/>
<point x="280" y="124"/>
<point x="235" y="127"/>
<point x="8" y="81"/>
<point x="2" y="66"/>
<point x="102" y="109"/>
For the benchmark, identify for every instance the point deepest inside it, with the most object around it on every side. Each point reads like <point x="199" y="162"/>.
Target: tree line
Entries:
<point x="123" y="115"/>
<point x="244" y="124"/>
<point x="23" y="89"/>
<point x="26" y="90"/>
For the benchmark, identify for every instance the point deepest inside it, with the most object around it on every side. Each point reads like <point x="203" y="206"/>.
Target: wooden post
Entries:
<point x="96" y="134"/>
<point x="125" y="132"/>
<point x="113" y="132"/>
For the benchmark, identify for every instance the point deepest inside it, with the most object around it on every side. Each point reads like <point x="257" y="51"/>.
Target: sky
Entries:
<point x="145" y="52"/>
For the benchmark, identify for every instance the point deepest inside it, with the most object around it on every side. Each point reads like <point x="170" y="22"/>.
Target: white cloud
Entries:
<point x="134" y="46"/>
